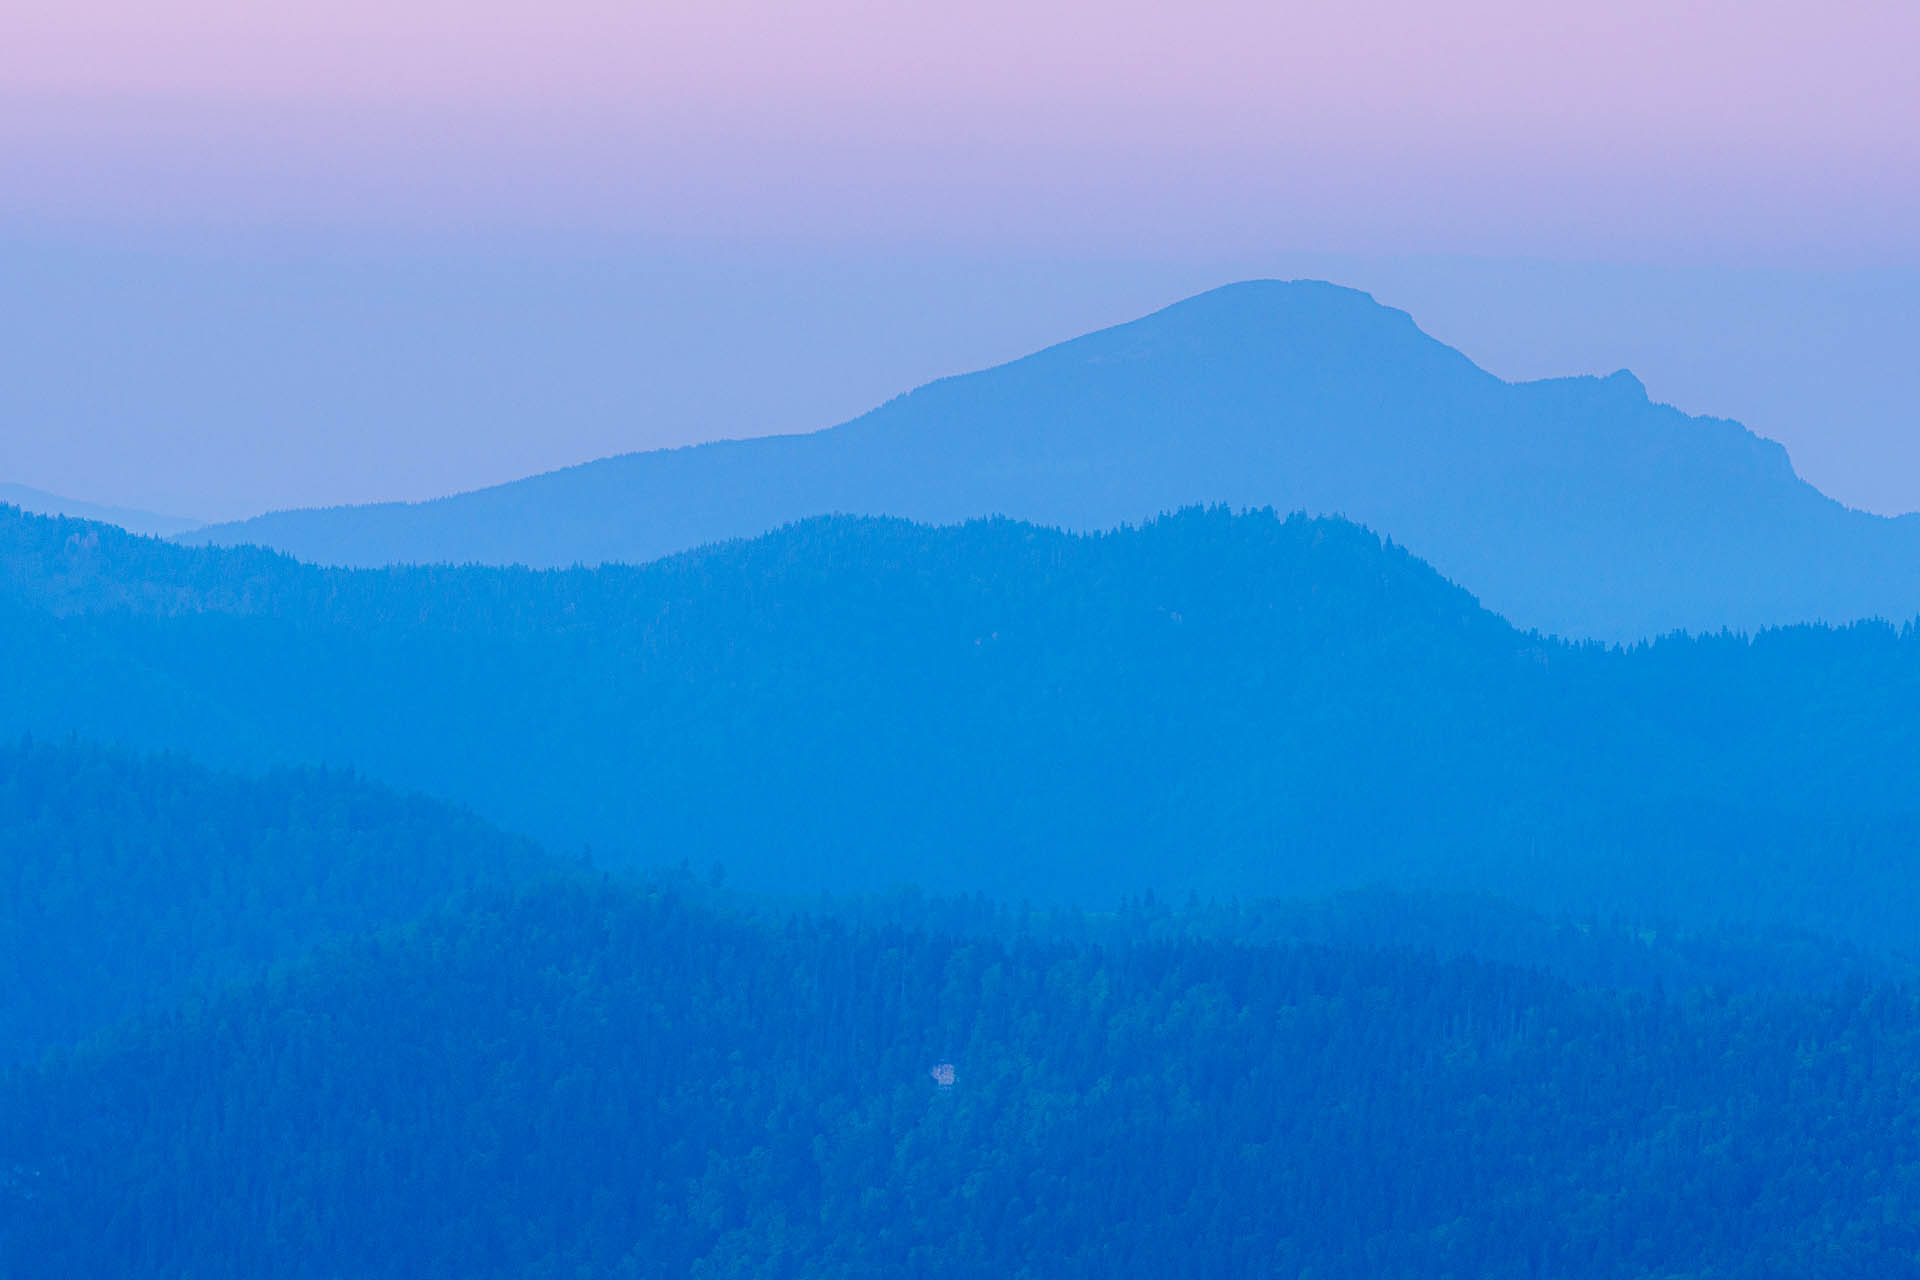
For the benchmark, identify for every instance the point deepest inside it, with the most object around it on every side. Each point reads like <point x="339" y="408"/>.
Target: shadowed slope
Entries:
<point x="127" y="882"/>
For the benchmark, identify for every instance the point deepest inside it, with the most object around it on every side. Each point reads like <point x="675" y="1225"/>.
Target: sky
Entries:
<point x="264" y="254"/>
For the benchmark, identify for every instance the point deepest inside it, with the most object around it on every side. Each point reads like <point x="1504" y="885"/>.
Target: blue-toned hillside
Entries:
<point x="1575" y="506"/>
<point x="127" y="884"/>
<point x="587" y="1081"/>
<point x="1228" y="704"/>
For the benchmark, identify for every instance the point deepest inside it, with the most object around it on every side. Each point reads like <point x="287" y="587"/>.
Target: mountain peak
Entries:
<point x="1624" y="381"/>
<point x="1574" y="505"/>
<point x="1266" y="302"/>
<point x="1264" y="330"/>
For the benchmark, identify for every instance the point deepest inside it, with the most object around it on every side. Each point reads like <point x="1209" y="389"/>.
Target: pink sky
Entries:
<point x="1635" y="129"/>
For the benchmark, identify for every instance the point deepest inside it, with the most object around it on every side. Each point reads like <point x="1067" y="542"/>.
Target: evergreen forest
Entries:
<point x="1230" y="895"/>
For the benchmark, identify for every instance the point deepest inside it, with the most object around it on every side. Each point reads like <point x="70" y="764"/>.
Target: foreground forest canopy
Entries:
<point x="582" y="1079"/>
<point x="1228" y="704"/>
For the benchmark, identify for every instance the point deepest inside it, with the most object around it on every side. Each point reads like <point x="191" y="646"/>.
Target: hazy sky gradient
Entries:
<point x="263" y="254"/>
<point x="1639" y="128"/>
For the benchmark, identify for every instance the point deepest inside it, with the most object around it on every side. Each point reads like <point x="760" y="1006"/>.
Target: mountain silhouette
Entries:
<point x="1573" y="505"/>
<point x="1234" y="705"/>
<point x="148" y="523"/>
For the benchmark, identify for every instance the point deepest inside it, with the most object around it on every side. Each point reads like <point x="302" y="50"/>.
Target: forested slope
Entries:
<point x="128" y="883"/>
<point x="1229" y="704"/>
<point x="584" y="1080"/>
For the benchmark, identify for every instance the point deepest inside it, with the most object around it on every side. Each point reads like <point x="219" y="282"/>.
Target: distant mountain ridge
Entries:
<point x="1572" y="505"/>
<point x="148" y="523"/>
<point x="1235" y="705"/>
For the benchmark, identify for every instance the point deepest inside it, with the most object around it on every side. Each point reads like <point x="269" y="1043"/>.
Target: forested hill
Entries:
<point x="1233" y="704"/>
<point x="289" y="1021"/>
<point x="1327" y="572"/>
<point x="128" y="883"/>
<point x="1574" y="505"/>
<point x="582" y="1081"/>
